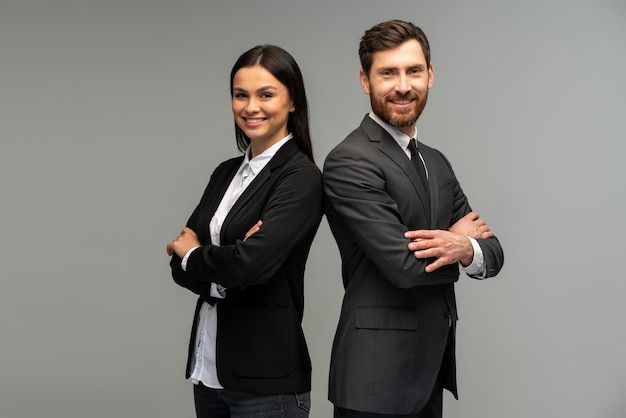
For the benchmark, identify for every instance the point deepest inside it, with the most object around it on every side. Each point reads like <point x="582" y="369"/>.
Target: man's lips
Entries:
<point x="401" y="102"/>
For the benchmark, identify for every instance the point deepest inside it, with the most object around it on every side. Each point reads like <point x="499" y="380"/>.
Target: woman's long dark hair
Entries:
<point x="282" y="66"/>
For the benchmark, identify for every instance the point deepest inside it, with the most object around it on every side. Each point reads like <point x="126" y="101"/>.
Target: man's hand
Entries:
<point x="445" y="246"/>
<point x="472" y="226"/>
<point x="185" y="241"/>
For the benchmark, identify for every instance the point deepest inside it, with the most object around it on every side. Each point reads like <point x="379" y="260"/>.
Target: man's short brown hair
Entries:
<point x="388" y="35"/>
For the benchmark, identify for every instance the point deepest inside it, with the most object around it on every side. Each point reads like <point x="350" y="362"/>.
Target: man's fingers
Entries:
<point x="434" y="265"/>
<point x="421" y="233"/>
<point x="472" y="216"/>
<point x="420" y="245"/>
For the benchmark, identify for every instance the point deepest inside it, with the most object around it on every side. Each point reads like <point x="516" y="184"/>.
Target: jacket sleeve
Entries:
<point x="179" y="275"/>
<point x="493" y="256"/>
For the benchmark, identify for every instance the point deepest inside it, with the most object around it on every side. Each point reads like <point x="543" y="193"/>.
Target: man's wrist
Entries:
<point x="469" y="251"/>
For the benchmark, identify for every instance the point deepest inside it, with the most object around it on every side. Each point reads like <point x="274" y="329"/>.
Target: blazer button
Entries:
<point x="446" y="313"/>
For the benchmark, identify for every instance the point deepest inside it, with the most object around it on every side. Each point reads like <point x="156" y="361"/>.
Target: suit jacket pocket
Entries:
<point x="385" y="317"/>
<point x="261" y="342"/>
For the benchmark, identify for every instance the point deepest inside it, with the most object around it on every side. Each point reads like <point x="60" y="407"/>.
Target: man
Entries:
<point x="403" y="226"/>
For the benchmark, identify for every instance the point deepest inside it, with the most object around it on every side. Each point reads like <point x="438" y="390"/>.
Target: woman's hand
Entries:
<point x="253" y="230"/>
<point x="185" y="241"/>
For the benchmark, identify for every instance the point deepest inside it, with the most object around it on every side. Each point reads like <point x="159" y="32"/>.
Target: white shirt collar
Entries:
<point x="260" y="161"/>
<point x="400" y="137"/>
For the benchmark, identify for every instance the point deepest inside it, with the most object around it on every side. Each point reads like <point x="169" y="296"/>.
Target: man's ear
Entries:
<point x="365" y="82"/>
<point x="431" y="75"/>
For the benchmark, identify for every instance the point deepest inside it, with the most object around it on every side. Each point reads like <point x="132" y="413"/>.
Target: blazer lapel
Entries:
<point x="282" y="155"/>
<point x="209" y="206"/>
<point x="391" y="149"/>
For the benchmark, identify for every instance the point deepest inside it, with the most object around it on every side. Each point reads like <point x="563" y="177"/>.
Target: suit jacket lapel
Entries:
<point x="390" y="147"/>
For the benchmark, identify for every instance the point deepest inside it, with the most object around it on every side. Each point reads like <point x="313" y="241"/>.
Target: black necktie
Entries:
<point x="419" y="166"/>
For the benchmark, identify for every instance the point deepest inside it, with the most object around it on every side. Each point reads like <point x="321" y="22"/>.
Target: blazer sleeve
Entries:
<point x="493" y="256"/>
<point x="180" y="276"/>
<point x="291" y="212"/>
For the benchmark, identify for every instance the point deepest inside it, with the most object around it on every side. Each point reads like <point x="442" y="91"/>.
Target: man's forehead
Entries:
<point x="406" y="54"/>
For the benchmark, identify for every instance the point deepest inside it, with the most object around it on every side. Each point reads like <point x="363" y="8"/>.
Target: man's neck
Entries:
<point x="409" y="131"/>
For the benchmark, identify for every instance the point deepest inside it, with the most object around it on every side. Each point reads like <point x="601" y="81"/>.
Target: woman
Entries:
<point x="245" y="246"/>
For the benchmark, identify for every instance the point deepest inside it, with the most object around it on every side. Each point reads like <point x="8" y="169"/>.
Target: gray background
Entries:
<point x="114" y="113"/>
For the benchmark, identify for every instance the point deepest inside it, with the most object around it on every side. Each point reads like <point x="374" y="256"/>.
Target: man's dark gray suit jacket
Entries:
<point x="395" y="319"/>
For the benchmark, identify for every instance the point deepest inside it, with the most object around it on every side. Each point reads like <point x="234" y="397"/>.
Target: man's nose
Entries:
<point x="404" y="84"/>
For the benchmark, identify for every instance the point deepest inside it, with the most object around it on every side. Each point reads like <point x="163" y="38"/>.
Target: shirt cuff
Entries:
<point x="183" y="263"/>
<point x="477" y="267"/>
<point x="219" y="294"/>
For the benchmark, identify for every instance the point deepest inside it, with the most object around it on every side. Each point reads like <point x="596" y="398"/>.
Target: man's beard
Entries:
<point x="399" y="119"/>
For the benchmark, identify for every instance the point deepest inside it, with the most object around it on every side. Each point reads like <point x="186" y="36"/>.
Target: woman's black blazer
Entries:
<point x="260" y="343"/>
